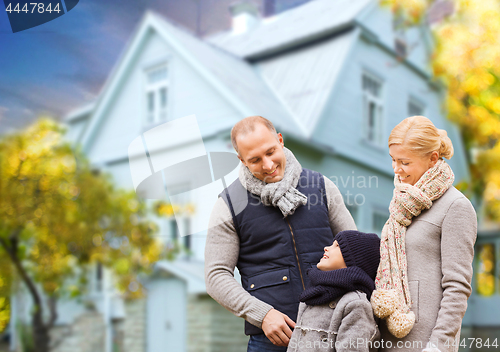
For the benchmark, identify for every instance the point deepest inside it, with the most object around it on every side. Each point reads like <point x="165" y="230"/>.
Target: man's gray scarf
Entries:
<point x="282" y="194"/>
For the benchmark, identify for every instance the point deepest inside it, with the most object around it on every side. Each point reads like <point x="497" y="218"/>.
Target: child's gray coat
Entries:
<point x="346" y="324"/>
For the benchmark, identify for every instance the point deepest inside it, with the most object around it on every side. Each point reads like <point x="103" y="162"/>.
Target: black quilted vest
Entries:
<point x="275" y="252"/>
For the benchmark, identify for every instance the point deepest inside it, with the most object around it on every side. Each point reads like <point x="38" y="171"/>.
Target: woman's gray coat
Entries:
<point x="439" y="252"/>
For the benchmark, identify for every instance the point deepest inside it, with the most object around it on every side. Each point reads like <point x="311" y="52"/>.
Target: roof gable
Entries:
<point x="113" y="82"/>
<point x="304" y="79"/>
<point x="235" y="79"/>
<point x="190" y="272"/>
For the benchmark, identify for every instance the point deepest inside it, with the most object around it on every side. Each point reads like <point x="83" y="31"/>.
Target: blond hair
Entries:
<point x="419" y="134"/>
<point x="247" y="125"/>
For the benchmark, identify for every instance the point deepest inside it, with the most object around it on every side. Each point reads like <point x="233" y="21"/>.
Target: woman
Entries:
<point x="424" y="277"/>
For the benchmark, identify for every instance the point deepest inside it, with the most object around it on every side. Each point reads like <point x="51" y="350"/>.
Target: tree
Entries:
<point x="57" y="215"/>
<point x="467" y="60"/>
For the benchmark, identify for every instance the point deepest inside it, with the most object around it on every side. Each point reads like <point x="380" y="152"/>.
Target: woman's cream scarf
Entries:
<point x="391" y="299"/>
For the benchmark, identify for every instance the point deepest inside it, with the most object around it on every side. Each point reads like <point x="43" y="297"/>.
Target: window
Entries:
<point x="156" y="94"/>
<point x="98" y="278"/>
<point x="174" y="230"/>
<point x="373" y="109"/>
<point x="415" y="108"/>
<point x="187" y="239"/>
<point x="485" y="277"/>
<point x="378" y="221"/>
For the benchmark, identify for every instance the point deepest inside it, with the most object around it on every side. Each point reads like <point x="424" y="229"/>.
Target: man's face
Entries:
<point x="262" y="152"/>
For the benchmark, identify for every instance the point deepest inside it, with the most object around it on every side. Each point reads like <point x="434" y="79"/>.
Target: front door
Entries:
<point x="166" y="315"/>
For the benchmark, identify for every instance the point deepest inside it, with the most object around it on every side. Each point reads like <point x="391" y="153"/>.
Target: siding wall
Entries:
<point x="363" y="189"/>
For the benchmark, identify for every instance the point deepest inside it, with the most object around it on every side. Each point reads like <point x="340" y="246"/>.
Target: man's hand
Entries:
<point x="276" y="326"/>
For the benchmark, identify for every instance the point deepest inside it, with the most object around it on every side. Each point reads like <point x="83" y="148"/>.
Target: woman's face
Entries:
<point x="408" y="166"/>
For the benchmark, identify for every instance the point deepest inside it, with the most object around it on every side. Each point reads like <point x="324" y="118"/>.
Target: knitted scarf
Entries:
<point x="282" y="194"/>
<point x="327" y="286"/>
<point x="391" y="300"/>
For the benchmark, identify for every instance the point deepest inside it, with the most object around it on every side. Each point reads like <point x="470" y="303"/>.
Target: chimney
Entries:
<point x="245" y="16"/>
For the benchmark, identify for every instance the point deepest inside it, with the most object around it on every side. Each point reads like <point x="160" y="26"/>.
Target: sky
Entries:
<point x="61" y="65"/>
<point x="54" y="68"/>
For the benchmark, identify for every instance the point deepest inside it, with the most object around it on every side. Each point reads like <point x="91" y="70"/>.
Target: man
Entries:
<point x="288" y="215"/>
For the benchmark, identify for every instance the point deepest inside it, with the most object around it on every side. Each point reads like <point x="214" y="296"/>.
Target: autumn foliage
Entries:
<point x="466" y="59"/>
<point x="57" y="215"/>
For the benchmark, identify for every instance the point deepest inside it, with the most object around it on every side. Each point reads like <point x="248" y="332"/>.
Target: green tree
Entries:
<point x="57" y="215"/>
<point x="466" y="59"/>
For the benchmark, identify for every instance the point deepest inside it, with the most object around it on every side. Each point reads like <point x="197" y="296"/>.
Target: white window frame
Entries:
<point x="154" y="89"/>
<point x="373" y="134"/>
<point x="418" y="103"/>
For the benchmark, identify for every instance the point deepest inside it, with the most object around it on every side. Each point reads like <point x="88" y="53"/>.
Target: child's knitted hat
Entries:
<point x="360" y="249"/>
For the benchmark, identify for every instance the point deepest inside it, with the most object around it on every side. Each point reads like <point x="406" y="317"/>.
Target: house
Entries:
<point x="334" y="77"/>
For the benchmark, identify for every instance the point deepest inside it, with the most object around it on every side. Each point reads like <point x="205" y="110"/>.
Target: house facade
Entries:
<point x="333" y="76"/>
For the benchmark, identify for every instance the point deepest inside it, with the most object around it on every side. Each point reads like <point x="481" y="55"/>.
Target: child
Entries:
<point x="335" y="313"/>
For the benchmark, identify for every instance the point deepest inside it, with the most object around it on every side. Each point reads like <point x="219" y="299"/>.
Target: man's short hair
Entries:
<point x="247" y="125"/>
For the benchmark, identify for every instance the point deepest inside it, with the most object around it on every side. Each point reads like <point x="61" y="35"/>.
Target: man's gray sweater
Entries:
<point x="222" y="251"/>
